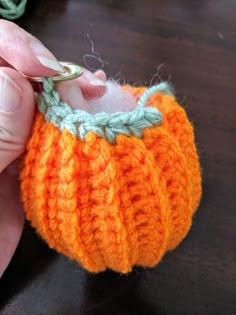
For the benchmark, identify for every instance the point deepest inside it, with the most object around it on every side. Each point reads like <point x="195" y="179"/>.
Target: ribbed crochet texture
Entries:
<point x="113" y="205"/>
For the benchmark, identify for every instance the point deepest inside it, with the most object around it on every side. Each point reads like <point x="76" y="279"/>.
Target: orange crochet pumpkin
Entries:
<point x="113" y="204"/>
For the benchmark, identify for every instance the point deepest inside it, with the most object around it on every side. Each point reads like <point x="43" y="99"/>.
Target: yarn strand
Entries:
<point x="162" y="87"/>
<point x="12" y="9"/>
<point x="108" y="126"/>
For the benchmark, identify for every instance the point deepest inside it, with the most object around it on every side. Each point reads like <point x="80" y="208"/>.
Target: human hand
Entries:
<point x="20" y="52"/>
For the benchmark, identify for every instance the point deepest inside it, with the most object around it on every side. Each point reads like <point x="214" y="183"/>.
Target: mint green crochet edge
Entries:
<point x="12" y="9"/>
<point x="108" y="126"/>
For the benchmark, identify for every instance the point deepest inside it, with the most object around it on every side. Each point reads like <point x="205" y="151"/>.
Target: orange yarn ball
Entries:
<point x="113" y="205"/>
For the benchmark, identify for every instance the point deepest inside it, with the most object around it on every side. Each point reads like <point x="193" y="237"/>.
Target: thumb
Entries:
<point x="16" y="115"/>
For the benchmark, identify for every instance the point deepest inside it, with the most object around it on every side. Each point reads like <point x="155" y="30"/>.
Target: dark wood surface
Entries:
<point x="192" y="43"/>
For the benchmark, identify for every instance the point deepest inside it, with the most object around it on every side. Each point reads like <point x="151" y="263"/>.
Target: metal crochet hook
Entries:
<point x="72" y="71"/>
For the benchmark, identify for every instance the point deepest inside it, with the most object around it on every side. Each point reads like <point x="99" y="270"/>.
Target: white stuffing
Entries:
<point x="114" y="100"/>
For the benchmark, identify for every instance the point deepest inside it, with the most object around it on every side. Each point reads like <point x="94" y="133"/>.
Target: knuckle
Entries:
<point x="10" y="141"/>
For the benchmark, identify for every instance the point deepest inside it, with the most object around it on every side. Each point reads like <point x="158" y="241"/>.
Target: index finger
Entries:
<point x="25" y="52"/>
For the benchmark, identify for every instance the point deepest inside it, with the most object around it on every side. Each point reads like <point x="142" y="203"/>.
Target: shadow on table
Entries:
<point x="111" y="293"/>
<point x="31" y="258"/>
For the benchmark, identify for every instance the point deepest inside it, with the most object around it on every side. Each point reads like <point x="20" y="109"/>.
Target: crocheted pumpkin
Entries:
<point x="107" y="190"/>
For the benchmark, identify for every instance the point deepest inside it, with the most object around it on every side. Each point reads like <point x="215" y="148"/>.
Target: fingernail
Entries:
<point x="100" y="71"/>
<point x="10" y="94"/>
<point x="45" y="57"/>
<point x="101" y="74"/>
<point x="93" y="79"/>
<point x="97" y="82"/>
<point x="52" y="64"/>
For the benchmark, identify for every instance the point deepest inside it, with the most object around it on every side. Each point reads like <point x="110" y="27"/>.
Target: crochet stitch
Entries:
<point x="112" y="201"/>
<point x="79" y="122"/>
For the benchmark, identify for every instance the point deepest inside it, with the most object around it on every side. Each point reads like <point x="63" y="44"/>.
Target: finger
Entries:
<point x="16" y="115"/>
<point x="101" y="75"/>
<point x="11" y="218"/>
<point x="77" y="92"/>
<point x="26" y="53"/>
<point x="71" y="94"/>
<point x="3" y="63"/>
<point x="91" y="85"/>
<point x="30" y="57"/>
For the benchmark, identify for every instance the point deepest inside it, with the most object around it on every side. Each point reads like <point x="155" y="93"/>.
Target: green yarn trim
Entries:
<point x="108" y="126"/>
<point x="12" y="9"/>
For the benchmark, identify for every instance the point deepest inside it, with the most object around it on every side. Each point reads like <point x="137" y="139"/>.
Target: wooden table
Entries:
<point x="192" y="43"/>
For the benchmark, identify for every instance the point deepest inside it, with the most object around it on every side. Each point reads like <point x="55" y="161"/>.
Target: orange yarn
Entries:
<point x="113" y="205"/>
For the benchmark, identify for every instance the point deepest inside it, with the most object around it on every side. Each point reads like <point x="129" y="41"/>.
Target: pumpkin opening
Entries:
<point x="122" y="101"/>
<point x="108" y="125"/>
